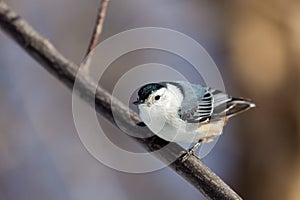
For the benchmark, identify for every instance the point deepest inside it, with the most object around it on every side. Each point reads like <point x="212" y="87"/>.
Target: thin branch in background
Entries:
<point x="193" y="170"/>
<point x="96" y="35"/>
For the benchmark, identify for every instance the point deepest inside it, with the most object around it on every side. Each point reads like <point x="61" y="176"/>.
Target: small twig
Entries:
<point x="193" y="170"/>
<point x="96" y="35"/>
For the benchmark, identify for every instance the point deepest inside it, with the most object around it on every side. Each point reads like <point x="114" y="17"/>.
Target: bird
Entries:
<point x="180" y="111"/>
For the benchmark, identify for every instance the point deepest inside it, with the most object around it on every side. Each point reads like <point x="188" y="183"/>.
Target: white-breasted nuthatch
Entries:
<point x="185" y="112"/>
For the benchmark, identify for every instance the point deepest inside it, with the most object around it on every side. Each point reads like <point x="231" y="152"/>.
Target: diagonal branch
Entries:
<point x="96" y="34"/>
<point x="193" y="170"/>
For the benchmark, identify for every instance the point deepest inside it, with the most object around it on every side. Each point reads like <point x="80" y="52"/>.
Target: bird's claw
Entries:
<point x="186" y="155"/>
<point x="191" y="151"/>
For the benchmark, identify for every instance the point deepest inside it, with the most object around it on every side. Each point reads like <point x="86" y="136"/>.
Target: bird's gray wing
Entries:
<point x="213" y="105"/>
<point x="201" y="112"/>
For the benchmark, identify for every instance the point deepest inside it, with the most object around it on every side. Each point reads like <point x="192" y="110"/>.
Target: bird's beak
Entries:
<point x="137" y="102"/>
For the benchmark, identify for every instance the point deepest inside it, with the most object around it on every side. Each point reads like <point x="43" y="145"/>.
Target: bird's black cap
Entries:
<point x="146" y="90"/>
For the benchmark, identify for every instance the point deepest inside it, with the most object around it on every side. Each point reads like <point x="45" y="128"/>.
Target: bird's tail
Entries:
<point x="231" y="107"/>
<point x="238" y="105"/>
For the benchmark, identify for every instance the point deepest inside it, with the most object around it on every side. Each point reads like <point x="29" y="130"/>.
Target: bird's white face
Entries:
<point x="160" y="107"/>
<point x="153" y="107"/>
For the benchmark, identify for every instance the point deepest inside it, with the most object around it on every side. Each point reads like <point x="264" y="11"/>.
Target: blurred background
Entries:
<point x="254" y="43"/>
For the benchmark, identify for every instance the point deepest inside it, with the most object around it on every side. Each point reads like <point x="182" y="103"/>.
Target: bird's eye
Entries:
<point x="157" y="97"/>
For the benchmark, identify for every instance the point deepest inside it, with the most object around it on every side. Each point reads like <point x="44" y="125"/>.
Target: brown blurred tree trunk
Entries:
<point x="264" y="45"/>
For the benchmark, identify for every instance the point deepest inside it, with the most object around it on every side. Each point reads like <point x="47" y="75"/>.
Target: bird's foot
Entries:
<point x="186" y="155"/>
<point x="190" y="152"/>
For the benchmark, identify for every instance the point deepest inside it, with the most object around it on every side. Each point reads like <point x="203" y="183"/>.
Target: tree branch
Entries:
<point x="96" y="34"/>
<point x="193" y="170"/>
